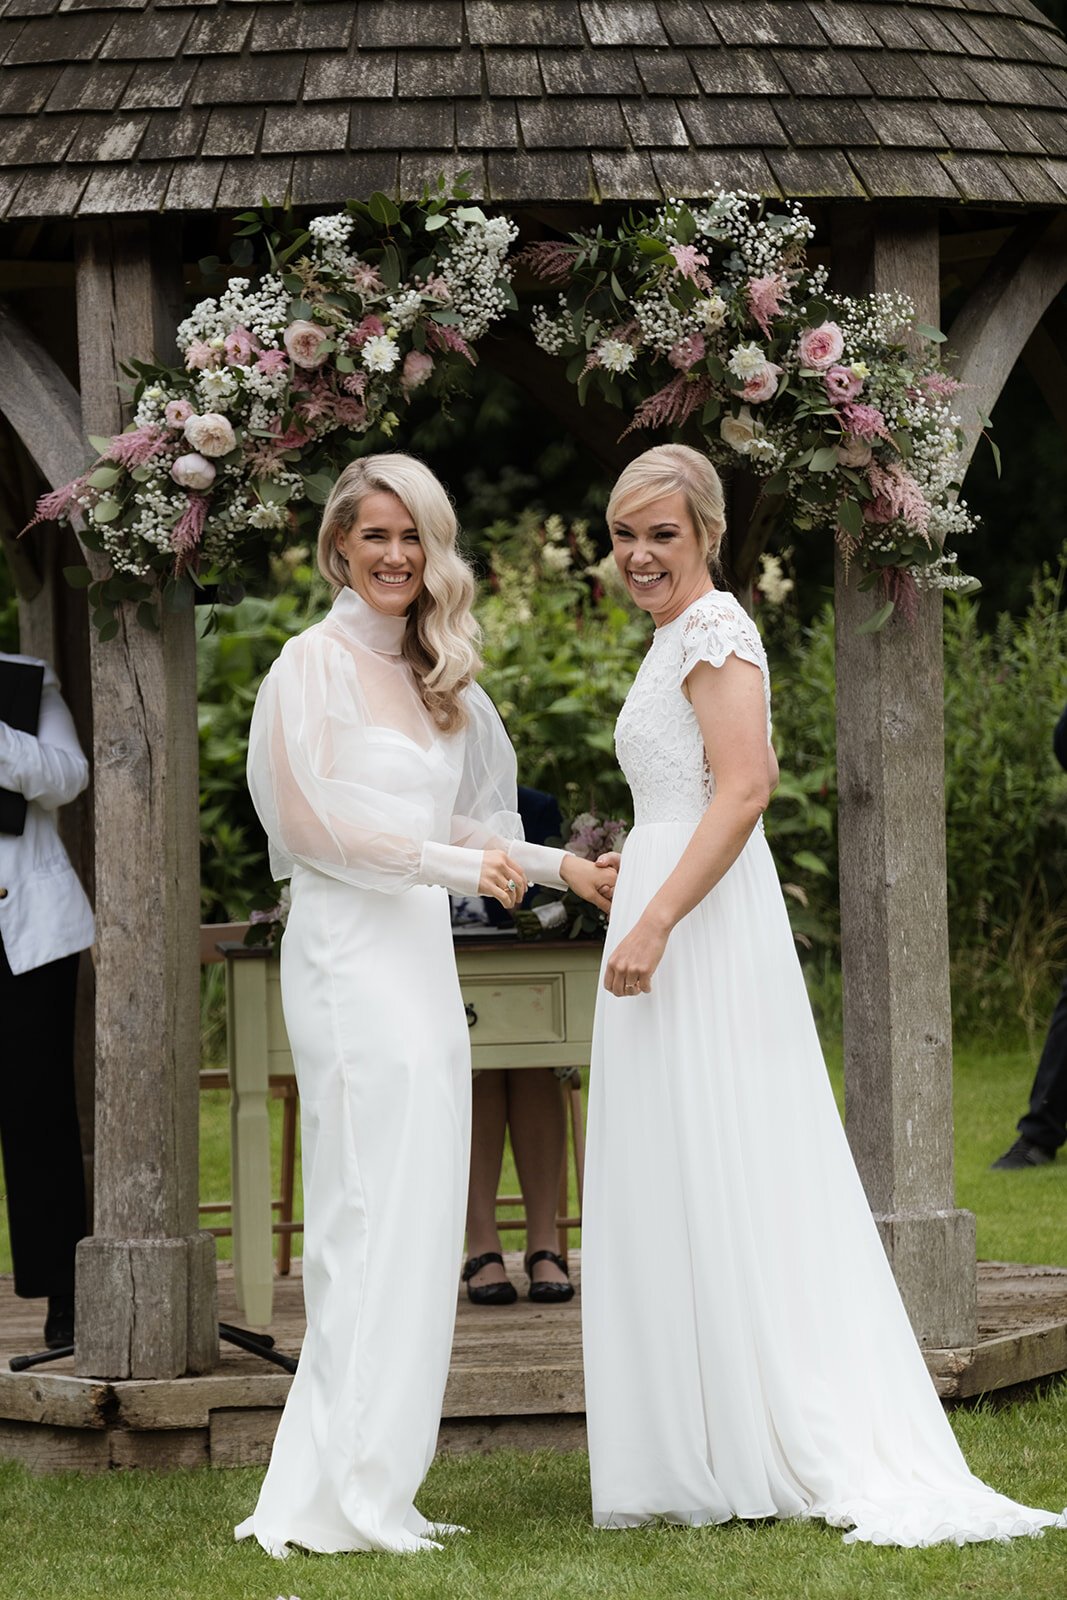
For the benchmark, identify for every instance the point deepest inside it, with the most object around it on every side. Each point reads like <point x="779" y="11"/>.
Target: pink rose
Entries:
<point x="687" y="352"/>
<point x="177" y="413"/>
<point x="193" y="471"/>
<point x="842" y="383"/>
<point x="763" y="384"/>
<point x="240" y="347"/>
<point x="210" y="434"/>
<point x="853" y="452"/>
<point x="302" y="340"/>
<point x="272" y="361"/>
<point x="820" y="347"/>
<point x="416" y="369"/>
<point x="200" y="355"/>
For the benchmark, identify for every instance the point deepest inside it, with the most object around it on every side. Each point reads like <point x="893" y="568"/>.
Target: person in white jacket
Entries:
<point x="45" y="920"/>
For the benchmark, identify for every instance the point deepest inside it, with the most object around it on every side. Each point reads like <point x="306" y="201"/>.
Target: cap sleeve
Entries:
<point x="718" y="627"/>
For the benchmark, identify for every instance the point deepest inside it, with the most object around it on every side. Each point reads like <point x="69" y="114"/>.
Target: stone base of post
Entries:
<point x="932" y="1254"/>
<point x="146" y="1308"/>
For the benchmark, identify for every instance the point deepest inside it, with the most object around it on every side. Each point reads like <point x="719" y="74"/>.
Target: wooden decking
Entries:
<point x="516" y="1379"/>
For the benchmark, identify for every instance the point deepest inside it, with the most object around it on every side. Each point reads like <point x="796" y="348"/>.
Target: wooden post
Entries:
<point x="146" y="1302"/>
<point x="894" y="922"/>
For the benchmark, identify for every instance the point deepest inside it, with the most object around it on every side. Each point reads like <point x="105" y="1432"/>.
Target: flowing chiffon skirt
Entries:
<point x="380" y="1045"/>
<point x="747" y="1353"/>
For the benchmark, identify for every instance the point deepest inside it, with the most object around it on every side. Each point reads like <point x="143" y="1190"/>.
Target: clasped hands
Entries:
<point x="504" y="880"/>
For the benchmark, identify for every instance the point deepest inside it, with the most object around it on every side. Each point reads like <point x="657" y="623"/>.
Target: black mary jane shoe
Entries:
<point x="547" y="1294"/>
<point x="488" y="1294"/>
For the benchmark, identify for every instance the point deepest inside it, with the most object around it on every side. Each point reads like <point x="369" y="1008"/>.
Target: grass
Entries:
<point x="141" y="1536"/>
<point x="137" y="1536"/>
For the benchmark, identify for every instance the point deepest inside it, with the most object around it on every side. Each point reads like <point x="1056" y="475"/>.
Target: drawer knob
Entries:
<point x="472" y="1016"/>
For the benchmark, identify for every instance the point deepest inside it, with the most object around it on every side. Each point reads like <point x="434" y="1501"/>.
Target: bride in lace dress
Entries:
<point x="382" y="776"/>
<point x="770" y="1370"/>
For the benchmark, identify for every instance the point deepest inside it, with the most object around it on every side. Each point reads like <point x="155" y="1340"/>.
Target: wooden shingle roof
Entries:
<point x="186" y="105"/>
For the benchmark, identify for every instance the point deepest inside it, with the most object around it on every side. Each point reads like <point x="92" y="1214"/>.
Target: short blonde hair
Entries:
<point x="668" y="469"/>
<point x="441" y="642"/>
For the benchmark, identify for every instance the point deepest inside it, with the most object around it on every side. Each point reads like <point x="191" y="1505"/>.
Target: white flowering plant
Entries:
<point x="703" y="320"/>
<point x="231" y="454"/>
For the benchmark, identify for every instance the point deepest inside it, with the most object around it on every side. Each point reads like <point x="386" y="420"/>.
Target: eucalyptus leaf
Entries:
<point x="876" y="623"/>
<point x="78" y="577"/>
<point x="105" y="477"/>
<point x="106" y="510"/>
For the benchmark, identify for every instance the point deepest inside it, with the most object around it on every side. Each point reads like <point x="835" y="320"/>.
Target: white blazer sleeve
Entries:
<point x="48" y="768"/>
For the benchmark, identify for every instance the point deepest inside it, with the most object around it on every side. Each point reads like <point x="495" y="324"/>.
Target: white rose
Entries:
<point x="380" y="353"/>
<point x="193" y="471"/>
<point x="712" y="312"/>
<point x="853" y="452"/>
<point x="211" y="434"/>
<point x="738" y="432"/>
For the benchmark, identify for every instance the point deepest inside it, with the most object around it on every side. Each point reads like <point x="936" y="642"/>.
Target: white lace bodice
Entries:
<point x="657" y="736"/>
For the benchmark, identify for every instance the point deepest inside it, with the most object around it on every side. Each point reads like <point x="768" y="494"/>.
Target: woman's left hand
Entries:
<point x="634" y="960"/>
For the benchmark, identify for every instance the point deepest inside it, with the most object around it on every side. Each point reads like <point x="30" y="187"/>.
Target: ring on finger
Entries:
<point x="511" y="886"/>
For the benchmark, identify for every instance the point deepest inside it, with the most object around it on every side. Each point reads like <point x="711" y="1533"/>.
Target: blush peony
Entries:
<point x="193" y="471"/>
<point x="820" y="347"/>
<point x="303" y="339"/>
<point x="417" y="368"/>
<point x="763" y="384"/>
<point x="177" y="413"/>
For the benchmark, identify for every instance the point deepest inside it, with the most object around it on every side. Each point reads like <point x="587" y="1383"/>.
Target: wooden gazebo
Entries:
<point x="929" y="137"/>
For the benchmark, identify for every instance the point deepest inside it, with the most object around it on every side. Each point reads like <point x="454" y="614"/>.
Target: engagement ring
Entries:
<point x="511" y="885"/>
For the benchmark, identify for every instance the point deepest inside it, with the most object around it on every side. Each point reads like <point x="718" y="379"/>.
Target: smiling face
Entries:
<point x="385" y="557"/>
<point x="659" y="554"/>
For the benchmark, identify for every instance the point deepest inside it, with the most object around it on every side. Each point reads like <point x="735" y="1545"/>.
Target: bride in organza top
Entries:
<point x="383" y="777"/>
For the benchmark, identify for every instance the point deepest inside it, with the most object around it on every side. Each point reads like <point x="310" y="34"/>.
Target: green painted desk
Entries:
<point x="528" y="1005"/>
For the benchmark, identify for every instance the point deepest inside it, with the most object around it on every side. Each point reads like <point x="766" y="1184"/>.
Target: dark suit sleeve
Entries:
<point x="1059" y="740"/>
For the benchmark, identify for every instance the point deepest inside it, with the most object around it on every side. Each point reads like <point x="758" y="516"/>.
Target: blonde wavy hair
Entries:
<point x="666" y="469"/>
<point x="442" y="638"/>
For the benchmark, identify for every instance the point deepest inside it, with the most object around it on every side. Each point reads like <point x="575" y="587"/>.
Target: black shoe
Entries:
<point x="59" y="1324"/>
<point x="488" y="1294"/>
<point x="548" y="1293"/>
<point x="1023" y="1153"/>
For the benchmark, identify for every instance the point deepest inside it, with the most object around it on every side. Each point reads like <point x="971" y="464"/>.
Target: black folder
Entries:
<point x="20" y="707"/>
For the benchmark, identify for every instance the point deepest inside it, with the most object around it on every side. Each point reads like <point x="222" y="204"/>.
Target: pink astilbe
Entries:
<point x="354" y="383"/>
<point x="672" y="405"/>
<point x="441" y="337"/>
<point x="863" y="422"/>
<point x="365" y="277"/>
<point x="687" y="352"/>
<point x="272" y="361"/>
<point x="940" y="385"/>
<point x="549" y="260"/>
<point x="189" y="530"/>
<point x="57" y="505"/>
<point x="896" y="495"/>
<point x="134" y="449"/>
<point x="200" y="355"/>
<point x="766" y="297"/>
<point x="688" y="260"/>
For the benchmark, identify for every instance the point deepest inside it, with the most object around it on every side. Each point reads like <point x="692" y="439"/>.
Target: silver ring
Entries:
<point x="512" y="885"/>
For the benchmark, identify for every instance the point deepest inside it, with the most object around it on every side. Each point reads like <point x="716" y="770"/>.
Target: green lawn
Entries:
<point x="139" y="1536"/>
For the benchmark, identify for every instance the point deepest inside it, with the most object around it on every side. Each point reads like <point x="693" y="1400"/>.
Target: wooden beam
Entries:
<point x="1045" y="358"/>
<point x="40" y="402"/>
<point x="990" y="332"/>
<point x="894" y="922"/>
<point x="596" y="425"/>
<point x="146" y="1281"/>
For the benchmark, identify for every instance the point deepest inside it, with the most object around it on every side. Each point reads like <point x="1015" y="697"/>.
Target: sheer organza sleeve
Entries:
<point x="335" y="793"/>
<point x="487" y="804"/>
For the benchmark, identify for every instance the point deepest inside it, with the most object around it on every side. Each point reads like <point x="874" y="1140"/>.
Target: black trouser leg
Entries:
<point x="1046" y="1121"/>
<point x="43" y="1170"/>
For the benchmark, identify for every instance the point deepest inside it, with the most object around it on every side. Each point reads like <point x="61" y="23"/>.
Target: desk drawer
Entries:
<point x="516" y="1010"/>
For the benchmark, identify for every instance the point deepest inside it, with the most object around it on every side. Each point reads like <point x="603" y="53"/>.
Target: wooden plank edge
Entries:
<point x="1039" y="1352"/>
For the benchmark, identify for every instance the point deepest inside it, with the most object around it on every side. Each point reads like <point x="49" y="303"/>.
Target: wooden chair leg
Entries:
<point x="578" y="1136"/>
<point x="285" y="1237"/>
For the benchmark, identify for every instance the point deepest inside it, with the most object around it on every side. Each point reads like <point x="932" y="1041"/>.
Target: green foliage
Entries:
<point x="233" y="653"/>
<point x="560" y="654"/>
<point x="1006" y="796"/>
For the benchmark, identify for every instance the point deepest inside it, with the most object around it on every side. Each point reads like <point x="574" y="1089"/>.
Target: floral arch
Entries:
<point x="699" y="320"/>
